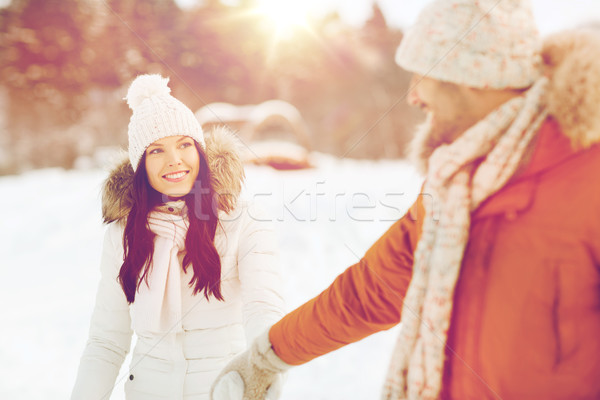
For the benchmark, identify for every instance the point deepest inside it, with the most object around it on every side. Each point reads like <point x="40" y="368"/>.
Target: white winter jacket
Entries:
<point x="182" y="365"/>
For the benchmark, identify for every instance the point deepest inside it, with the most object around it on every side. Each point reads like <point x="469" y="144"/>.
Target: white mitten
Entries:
<point x="255" y="374"/>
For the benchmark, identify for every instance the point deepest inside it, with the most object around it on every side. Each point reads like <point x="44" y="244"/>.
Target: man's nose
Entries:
<point x="413" y="98"/>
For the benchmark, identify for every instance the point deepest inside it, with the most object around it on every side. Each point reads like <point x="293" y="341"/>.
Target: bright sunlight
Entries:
<point x="285" y="16"/>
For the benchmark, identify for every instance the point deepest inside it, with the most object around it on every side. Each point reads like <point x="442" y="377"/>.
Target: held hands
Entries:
<point x="255" y="374"/>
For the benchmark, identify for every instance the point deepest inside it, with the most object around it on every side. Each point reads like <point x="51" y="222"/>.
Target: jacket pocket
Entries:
<point x="549" y="307"/>
<point x="541" y="316"/>
<point x="149" y="378"/>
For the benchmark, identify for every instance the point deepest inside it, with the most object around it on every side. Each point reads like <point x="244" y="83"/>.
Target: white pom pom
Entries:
<point x="145" y="86"/>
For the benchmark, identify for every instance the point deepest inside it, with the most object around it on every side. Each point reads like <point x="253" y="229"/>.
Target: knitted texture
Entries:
<point x="477" y="43"/>
<point x="458" y="188"/>
<point x="156" y="115"/>
<point x="157" y="306"/>
<point x="255" y="374"/>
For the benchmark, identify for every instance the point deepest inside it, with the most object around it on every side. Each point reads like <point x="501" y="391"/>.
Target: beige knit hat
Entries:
<point x="478" y="43"/>
<point x="157" y="114"/>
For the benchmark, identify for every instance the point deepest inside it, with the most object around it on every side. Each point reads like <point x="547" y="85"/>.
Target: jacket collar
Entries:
<point x="552" y="148"/>
<point x="572" y="64"/>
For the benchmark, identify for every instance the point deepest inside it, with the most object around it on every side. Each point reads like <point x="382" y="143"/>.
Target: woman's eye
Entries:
<point x="185" y="144"/>
<point x="154" y="151"/>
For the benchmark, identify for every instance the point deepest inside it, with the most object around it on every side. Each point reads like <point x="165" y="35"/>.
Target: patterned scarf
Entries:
<point x="157" y="306"/>
<point x="457" y="188"/>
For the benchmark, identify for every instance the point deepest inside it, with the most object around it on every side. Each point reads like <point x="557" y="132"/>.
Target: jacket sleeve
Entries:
<point x="364" y="299"/>
<point x="259" y="273"/>
<point x="110" y="328"/>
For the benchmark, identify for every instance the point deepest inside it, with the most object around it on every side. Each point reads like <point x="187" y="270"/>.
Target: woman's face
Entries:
<point x="172" y="165"/>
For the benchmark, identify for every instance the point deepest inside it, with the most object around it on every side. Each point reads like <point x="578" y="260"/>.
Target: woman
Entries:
<point x="185" y="265"/>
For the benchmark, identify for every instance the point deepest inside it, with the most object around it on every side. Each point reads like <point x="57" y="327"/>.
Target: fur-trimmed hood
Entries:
<point x="572" y="63"/>
<point x="222" y="152"/>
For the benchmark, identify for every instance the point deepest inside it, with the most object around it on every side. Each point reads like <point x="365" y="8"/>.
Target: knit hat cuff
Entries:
<point x="473" y="70"/>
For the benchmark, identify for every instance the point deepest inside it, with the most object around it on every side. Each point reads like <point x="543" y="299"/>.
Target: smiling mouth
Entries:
<point x="176" y="176"/>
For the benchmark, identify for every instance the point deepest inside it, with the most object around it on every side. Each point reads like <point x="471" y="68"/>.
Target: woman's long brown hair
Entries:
<point x="201" y="253"/>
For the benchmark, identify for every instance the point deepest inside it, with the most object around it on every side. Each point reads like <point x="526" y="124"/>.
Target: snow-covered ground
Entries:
<point x="50" y="244"/>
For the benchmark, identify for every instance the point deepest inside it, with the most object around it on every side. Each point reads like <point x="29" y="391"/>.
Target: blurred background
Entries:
<point x="65" y="66"/>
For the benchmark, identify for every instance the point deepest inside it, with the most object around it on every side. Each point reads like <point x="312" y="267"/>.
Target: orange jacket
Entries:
<point x="526" y="316"/>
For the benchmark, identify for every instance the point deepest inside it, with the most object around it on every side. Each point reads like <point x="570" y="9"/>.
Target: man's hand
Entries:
<point x="255" y="374"/>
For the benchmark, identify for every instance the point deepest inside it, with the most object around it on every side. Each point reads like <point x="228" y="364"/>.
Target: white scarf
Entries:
<point x="501" y="138"/>
<point x="157" y="305"/>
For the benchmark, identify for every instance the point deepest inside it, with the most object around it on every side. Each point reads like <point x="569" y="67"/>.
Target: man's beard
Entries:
<point x="428" y="137"/>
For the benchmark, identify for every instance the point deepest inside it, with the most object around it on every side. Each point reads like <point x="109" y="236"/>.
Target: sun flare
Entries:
<point x="286" y="17"/>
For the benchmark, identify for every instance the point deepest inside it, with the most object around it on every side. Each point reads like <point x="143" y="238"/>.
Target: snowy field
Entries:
<point x="50" y="245"/>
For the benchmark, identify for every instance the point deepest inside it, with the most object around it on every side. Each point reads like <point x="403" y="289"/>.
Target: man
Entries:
<point x="497" y="280"/>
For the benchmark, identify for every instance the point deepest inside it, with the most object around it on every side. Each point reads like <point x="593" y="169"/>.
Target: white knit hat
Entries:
<point x="478" y="43"/>
<point x="156" y="114"/>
